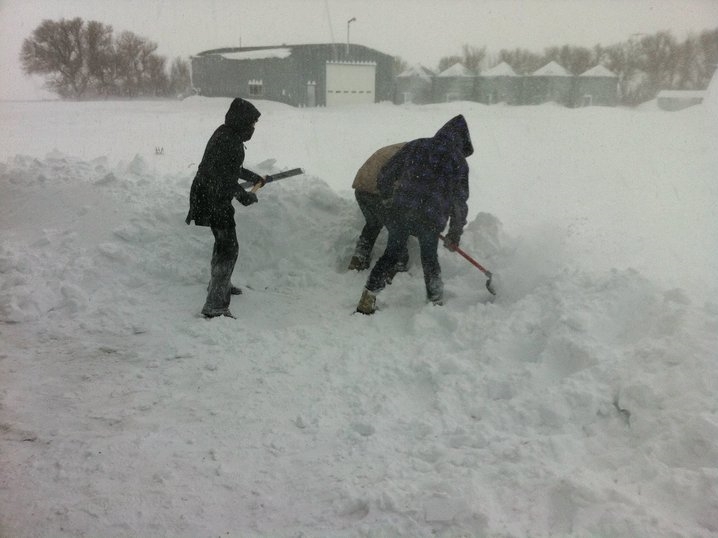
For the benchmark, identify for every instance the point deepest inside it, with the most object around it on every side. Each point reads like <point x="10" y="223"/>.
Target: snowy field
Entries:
<point x="580" y="402"/>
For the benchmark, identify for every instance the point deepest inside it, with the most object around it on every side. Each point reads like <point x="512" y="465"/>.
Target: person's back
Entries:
<point x="370" y="203"/>
<point x="424" y="184"/>
<point x="366" y="176"/>
<point x="429" y="176"/>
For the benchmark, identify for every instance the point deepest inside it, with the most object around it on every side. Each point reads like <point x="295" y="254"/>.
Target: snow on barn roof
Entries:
<point x="416" y="70"/>
<point x="260" y="54"/>
<point x="599" y="71"/>
<point x="551" y="69"/>
<point x="501" y="70"/>
<point x="456" y="70"/>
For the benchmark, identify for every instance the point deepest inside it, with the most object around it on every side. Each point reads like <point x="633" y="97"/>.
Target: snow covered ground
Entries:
<point x="580" y="402"/>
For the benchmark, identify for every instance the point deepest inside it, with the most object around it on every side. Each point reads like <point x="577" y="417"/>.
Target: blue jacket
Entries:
<point x="428" y="179"/>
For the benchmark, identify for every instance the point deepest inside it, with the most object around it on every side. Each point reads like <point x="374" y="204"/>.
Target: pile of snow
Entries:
<point x="580" y="401"/>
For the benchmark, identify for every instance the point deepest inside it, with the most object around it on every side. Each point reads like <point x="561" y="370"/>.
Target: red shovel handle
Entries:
<point x="470" y="259"/>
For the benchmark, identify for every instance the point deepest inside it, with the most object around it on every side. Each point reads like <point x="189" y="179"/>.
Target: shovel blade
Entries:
<point x="490" y="284"/>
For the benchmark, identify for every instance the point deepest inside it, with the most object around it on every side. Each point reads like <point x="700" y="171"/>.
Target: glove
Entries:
<point x="247" y="198"/>
<point x="451" y="241"/>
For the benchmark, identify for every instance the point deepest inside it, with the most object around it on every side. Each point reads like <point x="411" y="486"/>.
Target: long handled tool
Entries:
<point x="489" y="284"/>
<point x="273" y="177"/>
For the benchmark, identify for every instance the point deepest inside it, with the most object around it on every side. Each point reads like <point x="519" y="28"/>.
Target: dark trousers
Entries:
<point x="400" y="228"/>
<point x="224" y="256"/>
<point x="376" y="216"/>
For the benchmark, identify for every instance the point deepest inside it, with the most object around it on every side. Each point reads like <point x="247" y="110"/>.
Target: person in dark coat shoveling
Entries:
<point x="210" y="201"/>
<point x="423" y="185"/>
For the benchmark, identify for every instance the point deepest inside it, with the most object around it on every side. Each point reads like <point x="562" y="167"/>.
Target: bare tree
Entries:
<point x="471" y="57"/>
<point x="447" y="61"/>
<point x="135" y="64"/>
<point x="399" y="66"/>
<point x="575" y="59"/>
<point x="59" y="50"/>
<point x="521" y="60"/>
<point x="180" y="79"/>
<point x="101" y="58"/>
<point x="708" y="52"/>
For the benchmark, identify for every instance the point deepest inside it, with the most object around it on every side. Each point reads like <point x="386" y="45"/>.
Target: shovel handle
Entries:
<point x="258" y="185"/>
<point x="469" y="259"/>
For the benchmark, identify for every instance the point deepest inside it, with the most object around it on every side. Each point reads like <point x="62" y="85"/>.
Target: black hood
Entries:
<point x="241" y="117"/>
<point x="457" y="131"/>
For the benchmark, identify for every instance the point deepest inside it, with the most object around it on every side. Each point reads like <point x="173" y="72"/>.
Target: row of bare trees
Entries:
<point x="644" y="64"/>
<point x="83" y="59"/>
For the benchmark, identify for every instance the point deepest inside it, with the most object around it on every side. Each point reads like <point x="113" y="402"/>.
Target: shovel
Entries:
<point x="489" y="284"/>
<point x="274" y="177"/>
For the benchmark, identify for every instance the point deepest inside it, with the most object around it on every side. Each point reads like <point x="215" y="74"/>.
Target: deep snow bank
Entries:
<point x="575" y="403"/>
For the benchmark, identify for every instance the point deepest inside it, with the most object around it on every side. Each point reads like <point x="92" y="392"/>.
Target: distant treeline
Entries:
<point x="645" y="64"/>
<point x="84" y="60"/>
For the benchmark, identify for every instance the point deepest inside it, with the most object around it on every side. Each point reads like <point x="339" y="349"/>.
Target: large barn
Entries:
<point x="299" y="75"/>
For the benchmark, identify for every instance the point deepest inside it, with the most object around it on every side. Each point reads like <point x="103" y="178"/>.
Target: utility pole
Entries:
<point x="348" y="23"/>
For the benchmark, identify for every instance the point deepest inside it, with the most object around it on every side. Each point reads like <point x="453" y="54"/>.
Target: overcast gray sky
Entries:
<point x="420" y="31"/>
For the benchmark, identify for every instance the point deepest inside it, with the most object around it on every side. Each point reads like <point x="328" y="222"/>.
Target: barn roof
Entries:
<point x="281" y="51"/>
<point x="599" y="71"/>
<point x="551" y="69"/>
<point x="456" y="70"/>
<point x="501" y="70"/>
<point x="260" y="54"/>
<point x="416" y="70"/>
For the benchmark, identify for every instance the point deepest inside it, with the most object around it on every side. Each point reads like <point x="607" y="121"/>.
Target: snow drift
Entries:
<point x="581" y="401"/>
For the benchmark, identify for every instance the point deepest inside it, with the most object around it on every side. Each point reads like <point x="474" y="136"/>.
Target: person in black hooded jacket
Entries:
<point x="210" y="201"/>
<point x="424" y="186"/>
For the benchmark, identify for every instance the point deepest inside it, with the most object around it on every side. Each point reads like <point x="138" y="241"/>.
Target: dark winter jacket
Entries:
<point x="428" y="179"/>
<point x="215" y="184"/>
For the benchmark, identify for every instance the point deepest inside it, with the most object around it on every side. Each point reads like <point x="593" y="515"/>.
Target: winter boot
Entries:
<point x="435" y="290"/>
<point x="209" y="314"/>
<point x="367" y="303"/>
<point x="358" y="263"/>
<point x="234" y="290"/>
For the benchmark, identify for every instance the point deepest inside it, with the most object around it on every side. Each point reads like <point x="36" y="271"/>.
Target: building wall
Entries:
<point x="285" y="79"/>
<point x="595" y="91"/>
<point x="453" y="89"/>
<point x="501" y="89"/>
<point x="538" y="90"/>
<point x="215" y="76"/>
<point x="417" y="89"/>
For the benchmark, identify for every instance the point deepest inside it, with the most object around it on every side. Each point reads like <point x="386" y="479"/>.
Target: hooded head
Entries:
<point x="241" y="117"/>
<point x="457" y="131"/>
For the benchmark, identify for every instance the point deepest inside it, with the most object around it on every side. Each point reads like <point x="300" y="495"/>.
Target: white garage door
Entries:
<point x="350" y="83"/>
